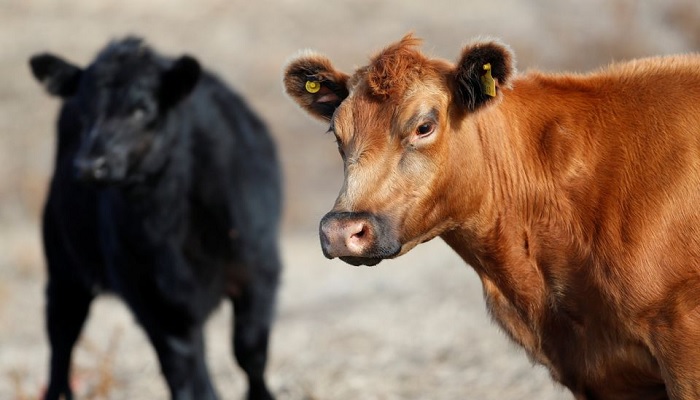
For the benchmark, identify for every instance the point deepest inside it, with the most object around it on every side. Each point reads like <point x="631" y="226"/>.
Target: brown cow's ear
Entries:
<point x="483" y="69"/>
<point x="315" y="85"/>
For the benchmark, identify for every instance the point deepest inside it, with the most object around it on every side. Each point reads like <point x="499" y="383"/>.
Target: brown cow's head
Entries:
<point x="402" y="124"/>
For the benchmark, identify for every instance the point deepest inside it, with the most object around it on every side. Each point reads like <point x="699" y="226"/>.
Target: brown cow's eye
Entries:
<point x="425" y="129"/>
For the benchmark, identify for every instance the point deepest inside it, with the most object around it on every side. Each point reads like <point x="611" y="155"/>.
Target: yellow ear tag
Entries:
<point x="313" y="86"/>
<point x="488" y="85"/>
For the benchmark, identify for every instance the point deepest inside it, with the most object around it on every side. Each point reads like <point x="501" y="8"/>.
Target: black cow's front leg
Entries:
<point x="182" y="362"/>
<point x="67" y="307"/>
<point x="254" y="309"/>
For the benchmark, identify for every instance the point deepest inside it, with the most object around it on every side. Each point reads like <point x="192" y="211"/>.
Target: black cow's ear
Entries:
<point x="481" y="72"/>
<point x="58" y="77"/>
<point x="178" y="81"/>
<point x="313" y="83"/>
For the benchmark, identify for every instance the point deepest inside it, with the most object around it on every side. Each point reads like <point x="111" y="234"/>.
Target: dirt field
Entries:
<point x="412" y="328"/>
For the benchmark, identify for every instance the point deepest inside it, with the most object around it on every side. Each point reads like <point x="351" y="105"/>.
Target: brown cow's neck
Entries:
<point x="518" y="212"/>
<point x="532" y="174"/>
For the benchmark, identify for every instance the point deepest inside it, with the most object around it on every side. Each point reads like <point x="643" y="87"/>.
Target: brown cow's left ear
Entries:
<point x="313" y="82"/>
<point x="483" y="69"/>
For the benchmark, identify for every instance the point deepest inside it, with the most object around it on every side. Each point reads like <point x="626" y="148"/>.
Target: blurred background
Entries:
<point x="412" y="328"/>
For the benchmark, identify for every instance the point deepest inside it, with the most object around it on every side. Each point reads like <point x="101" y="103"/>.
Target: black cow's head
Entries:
<point x="124" y="97"/>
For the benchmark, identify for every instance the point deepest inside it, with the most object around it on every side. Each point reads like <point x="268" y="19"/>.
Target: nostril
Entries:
<point x="359" y="234"/>
<point x="99" y="162"/>
<point x="92" y="169"/>
<point x="99" y="168"/>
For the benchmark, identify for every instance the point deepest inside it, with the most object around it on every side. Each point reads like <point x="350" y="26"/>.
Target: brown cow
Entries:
<point x="576" y="198"/>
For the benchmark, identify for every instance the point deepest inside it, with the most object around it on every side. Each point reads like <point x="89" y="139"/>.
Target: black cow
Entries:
<point x="166" y="191"/>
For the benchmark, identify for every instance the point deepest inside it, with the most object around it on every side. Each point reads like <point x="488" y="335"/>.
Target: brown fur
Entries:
<point x="395" y="68"/>
<point x="576" y="199"/>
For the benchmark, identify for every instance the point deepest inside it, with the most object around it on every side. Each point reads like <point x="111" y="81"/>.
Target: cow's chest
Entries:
<point x="585" y="351"/>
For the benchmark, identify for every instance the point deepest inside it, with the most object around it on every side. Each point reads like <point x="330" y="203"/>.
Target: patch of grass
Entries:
<point x="17" y="378"/>
<point x="98" y="379"/>
<point x="92" y="381"/>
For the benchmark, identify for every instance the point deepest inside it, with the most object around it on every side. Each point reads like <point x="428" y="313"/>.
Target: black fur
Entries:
<point x="59" y="77"/>
<point x="470" y="69"/>
<point x="177" y="206"/>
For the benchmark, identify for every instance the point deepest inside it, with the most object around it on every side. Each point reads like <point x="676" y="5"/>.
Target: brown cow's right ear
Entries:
<point x="483" y="69"/>
<point x="315" y="85"/>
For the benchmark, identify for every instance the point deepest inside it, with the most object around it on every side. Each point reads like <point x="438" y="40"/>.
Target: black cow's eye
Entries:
<point x="425" y="129"/>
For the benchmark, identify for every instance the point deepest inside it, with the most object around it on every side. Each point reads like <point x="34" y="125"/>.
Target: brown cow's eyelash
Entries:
<point x="341" y="151"/>
<point x="340" y="147"/>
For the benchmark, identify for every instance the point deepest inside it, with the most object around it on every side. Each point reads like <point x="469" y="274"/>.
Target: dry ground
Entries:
<point x="412" y="328"/>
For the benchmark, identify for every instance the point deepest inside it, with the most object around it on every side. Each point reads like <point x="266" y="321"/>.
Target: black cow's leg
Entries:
<point x="182" y="361"/>
<point x="254" y="311"/>
<point x="203" y="385"/>
<point x="66" y="310"/>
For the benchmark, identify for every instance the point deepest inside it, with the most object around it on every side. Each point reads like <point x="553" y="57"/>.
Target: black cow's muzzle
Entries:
<point x="101" y="169"/>
<point x="92" y="169"/>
